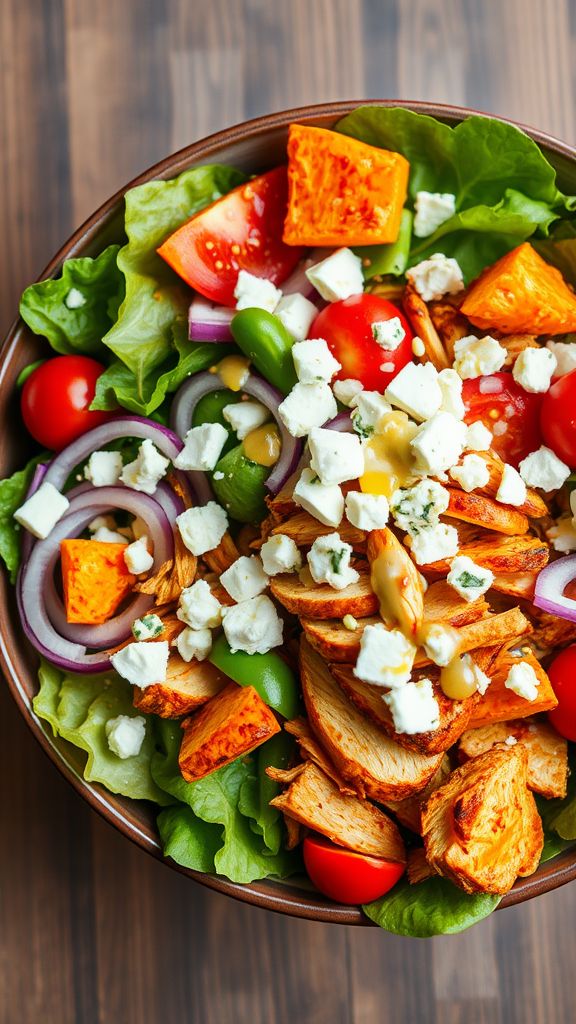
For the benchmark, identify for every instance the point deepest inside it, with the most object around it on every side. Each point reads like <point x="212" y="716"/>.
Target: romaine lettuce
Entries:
<point x="433" y="907"/>
<point x="12" y="494"/>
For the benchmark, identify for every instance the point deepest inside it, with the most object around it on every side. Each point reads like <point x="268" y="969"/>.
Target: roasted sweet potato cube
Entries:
<point x="233" y="723"/>
<point x="481" y="828"/>
<point x="547" y="751"/>
<point x="188" y="686"/>
<point x="95" y="579"/>
<point x="315" y="800"/>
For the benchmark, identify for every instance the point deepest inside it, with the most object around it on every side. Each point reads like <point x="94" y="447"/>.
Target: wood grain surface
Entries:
<point x="92" y="931"/>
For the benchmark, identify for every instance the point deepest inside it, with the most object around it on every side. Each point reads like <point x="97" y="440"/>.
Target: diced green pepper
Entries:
<point x="267" y="673"/>
<point x="238" y="484"/>
<point x="268" y="345"/>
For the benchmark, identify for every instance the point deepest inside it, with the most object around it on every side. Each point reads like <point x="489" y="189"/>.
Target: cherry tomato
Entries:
<point x="509" y="412"/>
<point x="562" y="674"/>
<point x="347" y="326"/>
<point x="346" y="876"/>
<point x="56" y="398"/>
<point x="558" y="420"/>
<point x="241" y="231"/>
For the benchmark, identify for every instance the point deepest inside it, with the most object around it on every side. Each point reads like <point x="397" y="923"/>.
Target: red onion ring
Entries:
<point x="36" y="620"/>
<point x="209" y="322"/>
<point x="551" y="583"/>
<point x="342" y="423"/>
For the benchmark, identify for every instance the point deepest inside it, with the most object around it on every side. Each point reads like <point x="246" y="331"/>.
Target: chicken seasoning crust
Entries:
<point x="324" y="618"/>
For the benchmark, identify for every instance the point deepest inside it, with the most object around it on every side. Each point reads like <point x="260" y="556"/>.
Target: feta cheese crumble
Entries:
<point x="280" y="554"/>
<point x="147" y="469"/>
<point x="329" y="562"/>
<point x="106" y="536"/>
<point x="202" y="527"/>
<point x="253" y="626"/>
<point x="256" y="292"/>
<point x="469" y="580"/>
<point x="512" y="489"/>
<point x="193" y="644"/>
<point x="435" y="277"/>
<point x="477" y="357"/>
<point x="478" y="437"/>
<point x="147" y="627"/>
<point x="296" y="312"/>
<point x="335" y="457"/>
<point x="367" y="511"/>
<point x="346" y="390"/>
<point x="414" y="708"/>
<point x="142" y="662"/>
<point x="416" y="390"/>
<point x="202" y="447"/>
<point x="523" y="681"/>
<point x="438" y="443"/>
<point x="324" y="503"/>
<point x="313" y="361"/>
<point x="103" y="469"/>
<point x="137" y="557"/>
<point x="419" y="507"/>
<point x="368" y="409"/>
<point x="386" y="657"/>
<point x="451" y="388"/>
<point x="544" y="469"/>
<point x="433" y="543"/>
<point x="245" y="578"/>
<point x="441" y="644"/>
<point x="244" y="417"/>
<point x="534" y="368"/>
<point x="562" y="534"/>
<point x="198" y="607"/>
<point x="125" y="735"/>
<point x="338" y="276"/>
<point x="471" y="473"/>
<point x="307" y="406"/>
<point x="431" y="210"/>
<point x="40" y="513"/>
<point x="388" y="333"/>
<point x="565" y="354"/>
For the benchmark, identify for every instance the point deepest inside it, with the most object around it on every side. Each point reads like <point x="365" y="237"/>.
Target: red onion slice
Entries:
<point x="550" y="586"/>
<point x="209" y="322"/>
<point x="342" y="423"/>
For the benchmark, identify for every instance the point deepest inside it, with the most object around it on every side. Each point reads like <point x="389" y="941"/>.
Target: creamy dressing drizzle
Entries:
<point x="389" y="462"/>
<point x="233" y="371"/>
<point x="263" y="445"/>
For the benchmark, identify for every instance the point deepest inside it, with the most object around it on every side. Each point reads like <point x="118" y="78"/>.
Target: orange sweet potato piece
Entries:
<point x="95" y="579"/>
<point x="521" y="294"/>
<point x="342" y="191"/>
<point x="232" y="724"/>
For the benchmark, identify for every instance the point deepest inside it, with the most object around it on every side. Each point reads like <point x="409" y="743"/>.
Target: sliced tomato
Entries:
<point x="56" y="399"/>
<point x="558" y="418"/>
<point x="562" y="674"/>
<point x="241" y="231"/>
<point x="346" y="876"/>
<point x="348" y="325"/>
<point x="509" y="412"/>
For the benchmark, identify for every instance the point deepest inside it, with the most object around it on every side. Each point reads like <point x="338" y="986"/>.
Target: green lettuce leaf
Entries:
<point x="153" y="315"/>
<point x="504" y="186"/>
<point x="77" y="708"/>
<point x="560" y="249"/>
<point x="12" y="494"/>
<point x="98" y="281"/>
<point x="187" y="839"/>
<point x="391" y="258"/>
<point x="258" y="790"/>
<point x="433" y="907"/>
<point x="214" y="800"/>
<point x="559" y="816"/>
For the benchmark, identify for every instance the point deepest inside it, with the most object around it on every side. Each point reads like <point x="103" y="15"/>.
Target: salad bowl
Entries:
<point x="252" y="147"/>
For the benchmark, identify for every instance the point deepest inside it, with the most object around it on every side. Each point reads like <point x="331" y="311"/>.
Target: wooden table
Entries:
<point x="91" y="92"/>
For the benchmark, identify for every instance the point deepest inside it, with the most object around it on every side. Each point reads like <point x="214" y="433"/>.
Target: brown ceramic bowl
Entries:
<point x="253" y="146"/>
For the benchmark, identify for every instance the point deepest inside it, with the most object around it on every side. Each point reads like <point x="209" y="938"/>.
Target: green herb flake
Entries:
<point x="336" y="557"/>
<point x="467" y="579"/>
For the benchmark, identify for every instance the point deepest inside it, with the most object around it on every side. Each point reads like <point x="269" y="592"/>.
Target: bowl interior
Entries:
<point x="254" y="146"/>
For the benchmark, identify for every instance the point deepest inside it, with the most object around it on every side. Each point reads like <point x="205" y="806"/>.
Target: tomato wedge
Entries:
<point x="346" y="876"/>
<point x="347" y="326"/>
<point x="509" y="412"/>
<point x="241" y="231"/>
<point x="563" y="679"/>
<point x="558" y="418"/>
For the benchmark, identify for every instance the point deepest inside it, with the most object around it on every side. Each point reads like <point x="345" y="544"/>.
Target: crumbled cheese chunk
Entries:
<point x="40" y="513"/>
<point x="137" y="557"/>
<point x="482" y="680"/>
<point x="534" y="368"/>
<point x="106" y="536"/>
<point x="338" y="276"/>
<point x="280" y="554"/>
<point x="419" y="507"/>
<point x="142" y="662"/>
<point x="324" y="503"/>
<point x="368" y="409"/>
<point x="477" y="357"/>
<point x="244" y="417"/>
<point x="108" y="522"/>
<point x="147" y="469"/>
<point x="544" y="469"/>
<point x="194" y="644"/>
<point x="451" y="387"/>
<point x="441" y="643"/>
<point x="256" y="292"/>
<point x="125" y="735"/>
<point x="478" y="437"/>
<point x="512" y="489"/>
<point x="202" y="447"/>
<point x="434" y="543"/>
<point x="565" y="354"/>
<point x="346" y="390"/>
<point x="438" y="443"/>
<point x="335" y="457"/>
<point x="147" y="627"/>
<point x="523" y="681"/>
<point x="75" y="299"/>
<point x="562" y="534"/>
<point x="350" y="623"/>
<point x="103" y="468"/>
<point x="198" y="607"/>
<point x="296" y="313"/>
<point x="245" y="578"/>
<point x="386" y="657"/>
<point x="471" y="473"/>
<point x="307" y="406"/>
<point x="329" y="562"/>
<point x="253" y="626"/>
<point x="431" y="210"/>
<point x="389" y="334"/>
<point x="414" y="708"/>
<point x="367" y="511"/>
<point x="314" y="361"/>
<point x="416" y="390"/>
<point x="469" y="580"/>
<point x="435" y="277"/>
<point x="202" y="527"/>
<point x="418" y="347"/>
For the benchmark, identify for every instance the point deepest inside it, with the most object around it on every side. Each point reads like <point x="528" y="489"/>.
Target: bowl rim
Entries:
<point x="271" y="894"/>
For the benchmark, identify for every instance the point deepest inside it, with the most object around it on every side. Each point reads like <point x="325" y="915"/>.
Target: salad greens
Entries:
<point x="12" y="493"/>
<point x="433" y="907"/>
